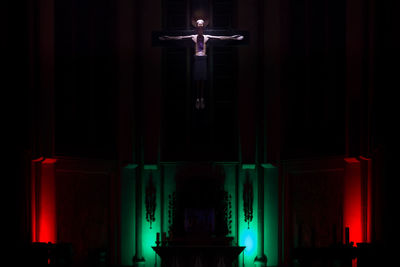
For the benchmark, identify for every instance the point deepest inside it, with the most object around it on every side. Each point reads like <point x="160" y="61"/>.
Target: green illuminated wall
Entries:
<point x="247" y="235"/>
<point x="128" y="187"/>
<point x="149" y="235"/>
<point x="271" y="214"/>
<point x="163" y="177"/>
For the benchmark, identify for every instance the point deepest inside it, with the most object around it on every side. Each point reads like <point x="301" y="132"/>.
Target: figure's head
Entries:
<point x="200" y="26"/>
<point x="200" y="23"/>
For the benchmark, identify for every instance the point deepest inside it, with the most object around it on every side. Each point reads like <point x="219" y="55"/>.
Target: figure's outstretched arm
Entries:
<point x="166" y="37"/>
<point x="233" y="37"/>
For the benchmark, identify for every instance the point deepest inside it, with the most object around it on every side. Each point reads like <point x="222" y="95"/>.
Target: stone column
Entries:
<point x="128" y="213"/>
<point x="355" y="75"/>
<point x="43" y="198"/>
<point x="44" y="53"/>
<point x="366" y="198"/>
<point x="271" y="213"/>
<point x="352" y="217"/>
<point x="127" y="50"/>
<point x="138" y="259"/>
<point x="34" y="183"/>
<point x="261" y="259"/>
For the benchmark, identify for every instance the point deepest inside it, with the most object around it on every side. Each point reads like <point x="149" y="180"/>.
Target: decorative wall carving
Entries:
<point x="150" y="201"/>
<point x="248" y="197"/>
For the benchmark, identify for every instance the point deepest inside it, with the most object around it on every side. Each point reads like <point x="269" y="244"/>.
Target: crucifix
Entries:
<point x="200" y="38"/>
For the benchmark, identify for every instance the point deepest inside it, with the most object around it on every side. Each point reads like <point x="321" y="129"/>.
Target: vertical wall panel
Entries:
<point x="128" y="214"/>
<point x="247" y="80"/>
<point x="47" y="203"/>
<point x="352" y="210"/>
<point x="248" y="232"/>
<point x="271" y="214"/>
<point x="149" y="233"/>
<point x="150" y="80"/>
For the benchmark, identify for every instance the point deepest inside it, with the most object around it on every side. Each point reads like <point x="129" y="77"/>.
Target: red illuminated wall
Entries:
<point x="357" y="199"/>
<point x="366" y="198"/>
<point x="43" y="201"/>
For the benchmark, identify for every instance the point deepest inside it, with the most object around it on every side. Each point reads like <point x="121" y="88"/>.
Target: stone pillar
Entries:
<point x="44" y="54"/>
<point x="150" y="79"/>
<point x="247" y="18"/>
<point x="271" y="213"/>
<point x="128" y="213"/>
<point x="43" y="198"/>
<point x="366" y="198"/>
<point x="127" y="48"/>
<point x="352" y="200"/>
<point x="272" y="80"/>
<point x="138" y="259"/>
<point x="248" y="231"/>
<point x="34" y="183"/>
<point x="261" y="259"/>
<point x="47" y="221"/>
<point x="355" y="73"/>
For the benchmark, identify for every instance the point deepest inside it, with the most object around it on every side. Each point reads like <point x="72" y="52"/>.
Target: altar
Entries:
<point x="218" y="256"/>
<point x="199" y="215"/>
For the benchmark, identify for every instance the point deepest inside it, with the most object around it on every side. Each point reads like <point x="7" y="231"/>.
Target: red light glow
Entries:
<point x="352" y="200"/>
<point x="43" y="201"/>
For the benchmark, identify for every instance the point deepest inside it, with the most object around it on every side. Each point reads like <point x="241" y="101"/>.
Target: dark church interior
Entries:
<point x="289" y="161"/>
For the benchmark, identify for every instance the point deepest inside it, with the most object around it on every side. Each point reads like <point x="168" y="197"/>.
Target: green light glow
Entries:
<point x="248" y="166"/>
<point x="149" y="235"/>
<point x="248" y="237"/>
<point x="249" y="241"/>
<point x="235" y="177"/>
<point x="153" y="167"/>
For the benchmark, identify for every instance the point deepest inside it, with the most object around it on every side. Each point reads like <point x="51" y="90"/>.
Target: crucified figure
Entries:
<point x="200" y="57"/>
